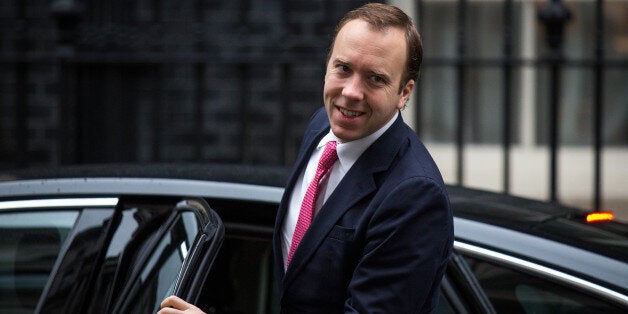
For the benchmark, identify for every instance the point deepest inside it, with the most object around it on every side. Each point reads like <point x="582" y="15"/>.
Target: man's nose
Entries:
<point x="353" y="88"/>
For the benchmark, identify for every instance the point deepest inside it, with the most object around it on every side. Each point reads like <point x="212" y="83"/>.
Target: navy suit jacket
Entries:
<point x="381" y="241"/>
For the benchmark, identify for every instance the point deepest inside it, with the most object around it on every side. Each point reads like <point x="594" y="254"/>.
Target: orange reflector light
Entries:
<point x="600" y="216"/>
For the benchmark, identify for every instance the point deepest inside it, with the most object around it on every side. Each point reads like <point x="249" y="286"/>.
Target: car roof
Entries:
<point x="546" y="220"/>
<point x="237" y="173"/>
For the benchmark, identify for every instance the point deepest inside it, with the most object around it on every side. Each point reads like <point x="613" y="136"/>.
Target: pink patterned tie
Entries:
<point x="309" y="201"/>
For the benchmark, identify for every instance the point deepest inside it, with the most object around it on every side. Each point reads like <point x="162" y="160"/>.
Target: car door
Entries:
<point x="178" y="262"/>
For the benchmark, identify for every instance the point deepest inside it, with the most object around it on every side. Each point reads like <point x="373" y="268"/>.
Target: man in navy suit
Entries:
<point x="379" y="228"/>
<point x="382" y="229"/>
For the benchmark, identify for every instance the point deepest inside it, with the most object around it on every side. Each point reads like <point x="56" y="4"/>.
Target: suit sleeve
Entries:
<point x="407" y="246"/>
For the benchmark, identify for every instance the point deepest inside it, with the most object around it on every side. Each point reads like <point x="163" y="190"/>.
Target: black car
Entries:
<point x="118" y="239"/>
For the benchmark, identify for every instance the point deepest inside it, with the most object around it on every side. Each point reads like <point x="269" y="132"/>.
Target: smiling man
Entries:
<point x="364" y="225"/>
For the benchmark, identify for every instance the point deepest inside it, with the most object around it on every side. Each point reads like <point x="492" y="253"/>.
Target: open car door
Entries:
<point x="178" y="262"/>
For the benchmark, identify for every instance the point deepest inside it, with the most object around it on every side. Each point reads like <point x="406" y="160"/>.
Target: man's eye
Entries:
<point x="343" y="68"/>
<point x="377" y="79"/>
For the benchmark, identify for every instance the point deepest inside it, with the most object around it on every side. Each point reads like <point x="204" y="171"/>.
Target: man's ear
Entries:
<point x="405" y="94"/>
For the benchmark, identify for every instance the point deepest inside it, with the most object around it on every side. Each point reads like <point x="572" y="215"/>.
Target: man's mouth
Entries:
<point x="349" y="113"/>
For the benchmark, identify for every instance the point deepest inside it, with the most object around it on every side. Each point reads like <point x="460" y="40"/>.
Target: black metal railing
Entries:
<point x="554" y="15"/>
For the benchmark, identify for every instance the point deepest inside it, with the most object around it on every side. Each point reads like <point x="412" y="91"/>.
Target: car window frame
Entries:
<point x="538" y="270"/>
<point x="462" y="289"/>
<point x="196" y="266"/>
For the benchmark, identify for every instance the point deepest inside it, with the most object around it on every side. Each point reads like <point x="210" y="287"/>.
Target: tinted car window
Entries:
<point x="157" y="276"/>
<point x="30" y="243"/>
<point x="512" y="291"/>
<point x="443" y="306"/>
<point x="241" y="278"/>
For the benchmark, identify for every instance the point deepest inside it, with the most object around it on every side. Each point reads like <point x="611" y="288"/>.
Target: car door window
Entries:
<point x="240" y="280"/>
<point x="30" y="243"/>
<point x="443" y="306"/>
<point x="513" y="291"/>
<point x="156" y="278"/>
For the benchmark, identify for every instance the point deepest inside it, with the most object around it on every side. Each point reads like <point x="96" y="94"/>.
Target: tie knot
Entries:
<point x="329" y="156"/>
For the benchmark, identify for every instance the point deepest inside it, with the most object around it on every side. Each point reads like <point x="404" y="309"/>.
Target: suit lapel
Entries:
<point x="358" y="183"/>
<point x="311" y="137"/>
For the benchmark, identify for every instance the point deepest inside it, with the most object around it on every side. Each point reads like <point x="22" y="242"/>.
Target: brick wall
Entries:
<point x="150" y="81"/>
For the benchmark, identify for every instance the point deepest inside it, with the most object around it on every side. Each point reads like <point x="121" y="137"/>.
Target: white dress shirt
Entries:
<point x="348" y="154"/>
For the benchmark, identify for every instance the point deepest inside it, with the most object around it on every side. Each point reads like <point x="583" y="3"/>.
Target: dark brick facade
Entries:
<point x="160" y="81"/>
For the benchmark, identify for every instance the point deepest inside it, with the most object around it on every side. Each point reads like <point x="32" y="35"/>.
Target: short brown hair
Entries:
<point x="380" y="17"/>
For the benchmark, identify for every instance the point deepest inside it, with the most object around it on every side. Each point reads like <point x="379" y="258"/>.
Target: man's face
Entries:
<point x="362" y="80"/>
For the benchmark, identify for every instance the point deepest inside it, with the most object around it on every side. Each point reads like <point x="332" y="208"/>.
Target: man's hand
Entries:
<point x="176" y="305"/>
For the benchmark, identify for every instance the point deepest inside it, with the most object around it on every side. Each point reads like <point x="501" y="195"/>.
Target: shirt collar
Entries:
<point x="349" y="152"/>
